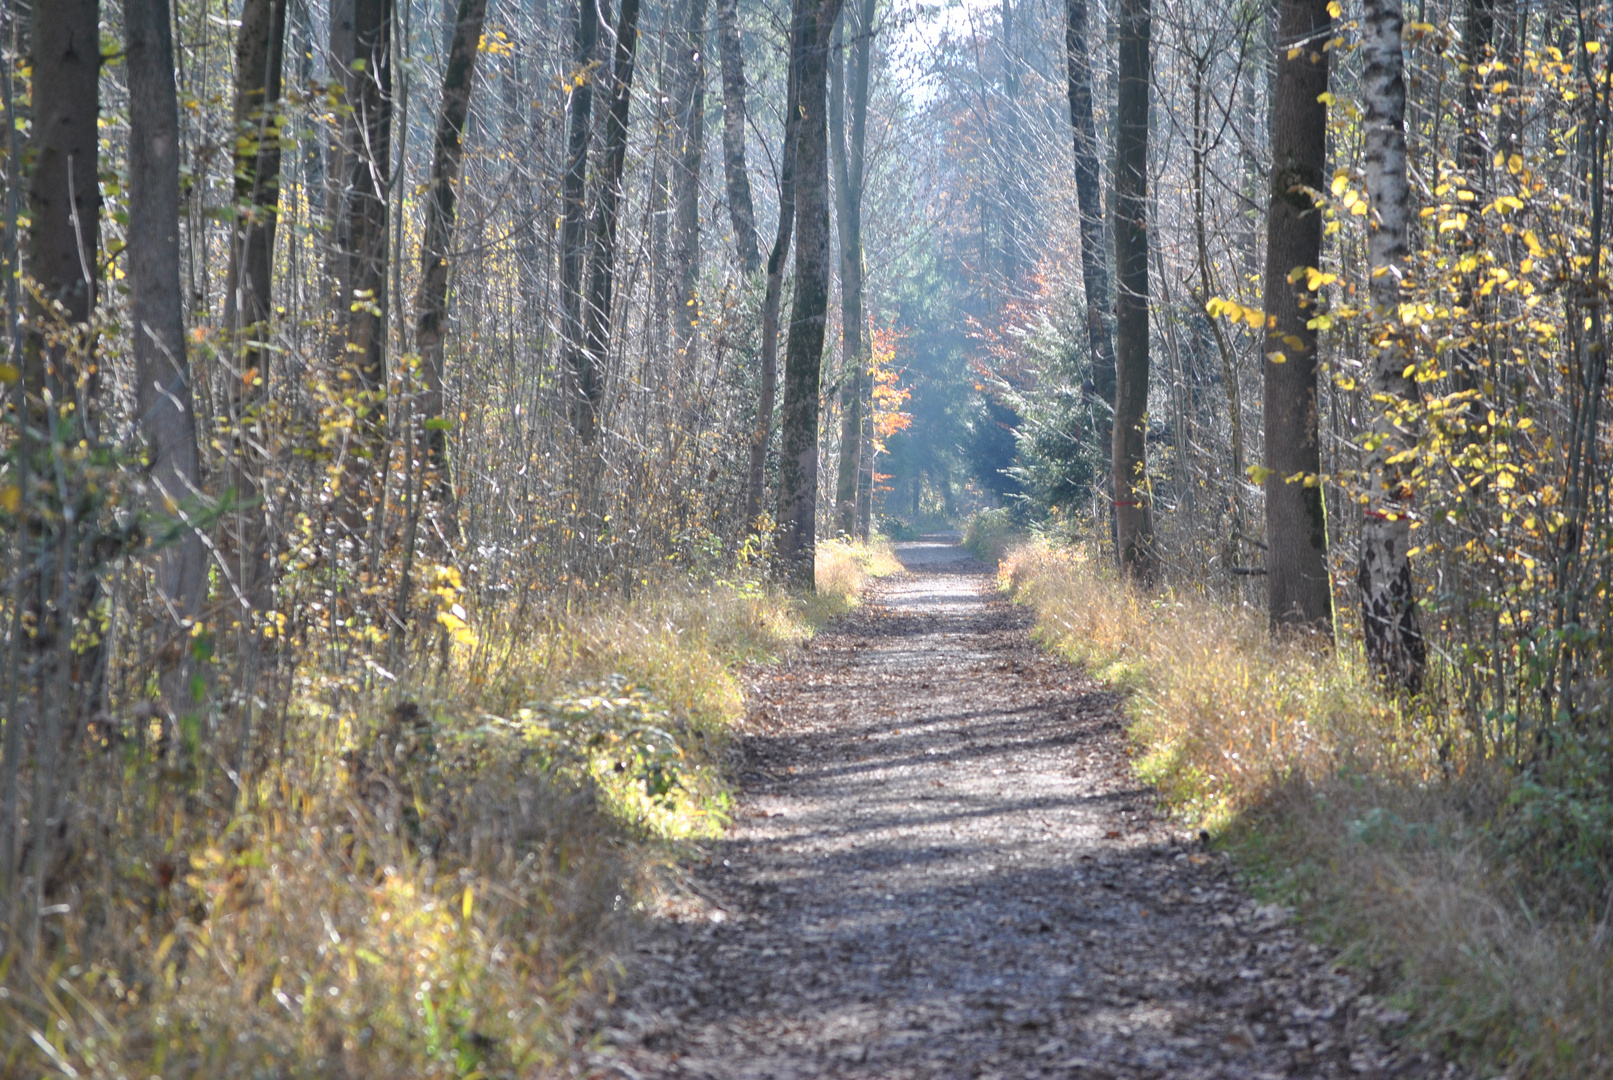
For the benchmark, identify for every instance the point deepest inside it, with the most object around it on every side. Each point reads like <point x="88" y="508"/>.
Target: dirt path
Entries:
<point x="941" y="867"/>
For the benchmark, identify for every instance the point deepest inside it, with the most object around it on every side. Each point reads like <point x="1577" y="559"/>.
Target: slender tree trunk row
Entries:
<point x="447" y="151"/>
<point x="1133" y="514"/>
<point x="690" y="116"/>
<point x="574" y="222"/>
<point x="767" y="390"/>
<point x="848" y="158"/>
<point x="812" y="29"/>
<point x="1088" y="187"/>
<point x="740" y="209"/>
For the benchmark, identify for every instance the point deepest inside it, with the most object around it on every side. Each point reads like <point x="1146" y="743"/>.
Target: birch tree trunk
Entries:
<point x="1133" y="519"/>
<point x="1394" y="640"/>
<point x="162" y="369"/>
<point x="740" y="208"/>
<point x="768" y="381"/>
<point x="447" y="151"/>
<point x="1296" y="521"/>
<point x="814" y="22"/>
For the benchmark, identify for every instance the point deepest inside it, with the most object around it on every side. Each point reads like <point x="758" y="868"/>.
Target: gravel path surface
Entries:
<point x="942" y="867"/>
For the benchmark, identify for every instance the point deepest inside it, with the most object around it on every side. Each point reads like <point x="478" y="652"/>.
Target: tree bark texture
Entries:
<point x="248" y="293"/>
<point x="602" y="267"/>
<point x="1089" y="196"/>
<point x="447" y="151"/>
<point x="365" y="240"/>
<point x="64" y="683"/>
<point x="162" y="369"/>
<point x="338" y="156"/>
<point x="691" y="121"/>
<point x="848" y="160"/>
<point x="574" y="219"/>
<point x="771" y="300"/>
<point x="1296" y="521"/>
<point x="740" y="208"/>
<point x="1133" y="520"/>
<point x="1394" y="640"/>
<point x="813" y="25"/>
<point x="1472" y="165"/>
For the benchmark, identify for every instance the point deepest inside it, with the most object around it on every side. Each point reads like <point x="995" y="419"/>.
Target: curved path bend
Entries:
<point x="941" y="866"/>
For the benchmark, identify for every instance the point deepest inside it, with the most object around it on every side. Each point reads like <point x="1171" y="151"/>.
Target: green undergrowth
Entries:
<point x="1397" y="843"/>
<point x="437" y="878"/>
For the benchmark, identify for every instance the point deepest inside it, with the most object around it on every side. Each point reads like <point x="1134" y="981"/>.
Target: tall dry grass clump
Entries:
<point x="1224" y="716"/>
<point x="844" y="567"/>
<point x="434" y="878"/>
<point x="1382" y="823"/>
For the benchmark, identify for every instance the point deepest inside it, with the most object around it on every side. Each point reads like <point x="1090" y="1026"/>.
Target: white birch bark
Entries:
<point x="1394" y="642"/>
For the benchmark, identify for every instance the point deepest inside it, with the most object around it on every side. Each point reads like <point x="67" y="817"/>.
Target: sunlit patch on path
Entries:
<point x="941" y="867"/>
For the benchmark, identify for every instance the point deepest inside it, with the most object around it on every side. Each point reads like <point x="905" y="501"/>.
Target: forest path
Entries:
<point x="941" y="866"/>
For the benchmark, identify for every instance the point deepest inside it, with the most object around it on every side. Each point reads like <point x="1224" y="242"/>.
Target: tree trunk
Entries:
<point x="813" y="24"/>
<point x="1296" y="520"/>
<point x="1088" y="189"/>
<point x="574" y="220"/>
<point x="64" y="683"/>
<point x="447" y="151"/>
<point x="1133" y="521"/>
<point x="740" y="209"/>
<point x="602" y="276"/>
<point x="248" y="295"/>
<point x="768" y="388"/>
<point x="848" y="159"/>
<point x="338" y="158"/>
<point x="369" y="170"/>
<point x="1394" y="640"/>
<point x="162" y="370"/>
<point x="691" y="121"/>
<point x="1472" y="162"/>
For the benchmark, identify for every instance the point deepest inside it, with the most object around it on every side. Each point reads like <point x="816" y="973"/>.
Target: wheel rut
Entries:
<point x="942" y="866"/>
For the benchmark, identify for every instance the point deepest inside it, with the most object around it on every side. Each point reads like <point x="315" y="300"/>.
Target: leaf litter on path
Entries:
<point x="942" y="866"/>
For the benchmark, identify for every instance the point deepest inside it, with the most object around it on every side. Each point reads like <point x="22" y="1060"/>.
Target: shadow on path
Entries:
<point x="942" y="867"/>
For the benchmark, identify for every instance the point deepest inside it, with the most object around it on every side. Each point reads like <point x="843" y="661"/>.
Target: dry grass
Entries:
<point x="434" y="880"/>
<point x="1375" y="821"/>
<point x="844" y="567"/>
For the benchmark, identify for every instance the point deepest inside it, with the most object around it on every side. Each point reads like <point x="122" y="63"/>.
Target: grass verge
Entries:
<point x="1377" y="823"/>
<point x="436" y="880"/>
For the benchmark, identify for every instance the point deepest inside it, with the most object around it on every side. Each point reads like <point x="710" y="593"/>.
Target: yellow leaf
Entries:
<point x="466" y="904"/>
<point x="1293" y="54"/>
<point x="10" y="497"/>
<point x="9" y="373"/>
<point x="1593" y="46"/>
<point x="1256" y="319"/>
<point x="1359" y="209"/>
<point x="1340" y="182"/>
<point x="1277" y="358"/>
